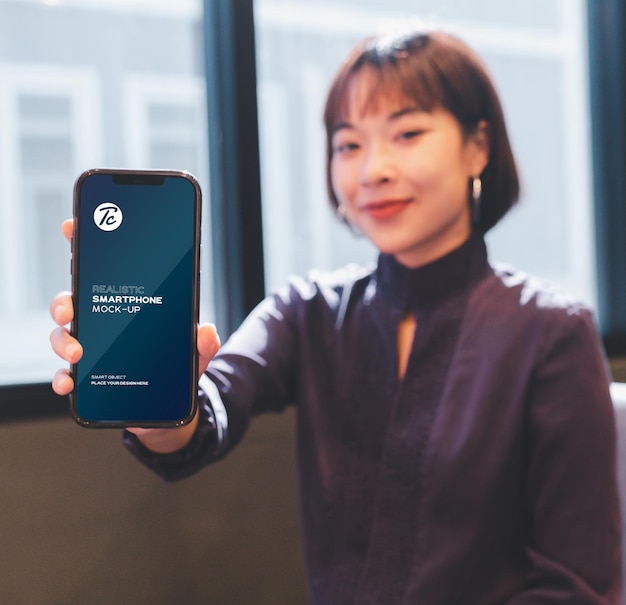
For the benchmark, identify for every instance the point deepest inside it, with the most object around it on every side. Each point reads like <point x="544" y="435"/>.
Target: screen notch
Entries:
<point x="138" y="179"/>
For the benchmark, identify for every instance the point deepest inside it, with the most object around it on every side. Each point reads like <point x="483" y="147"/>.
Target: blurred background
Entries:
<point x="233" y="92"/>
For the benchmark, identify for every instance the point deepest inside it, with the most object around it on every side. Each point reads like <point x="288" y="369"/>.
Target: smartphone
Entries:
<point x="135" y="288"/>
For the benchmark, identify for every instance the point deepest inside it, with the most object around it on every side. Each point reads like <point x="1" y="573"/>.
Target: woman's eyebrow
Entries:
<point x="405" y="111"/>
<point x="342" y="126"/>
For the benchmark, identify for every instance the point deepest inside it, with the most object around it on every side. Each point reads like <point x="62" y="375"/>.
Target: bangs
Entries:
<point x="371" y="85"/>
<point x="388" y="70"/>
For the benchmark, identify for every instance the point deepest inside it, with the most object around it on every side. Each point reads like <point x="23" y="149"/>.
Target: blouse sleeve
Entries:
<point x="574" y="549"/>
<point x="252" y="373"/>
<point x="204" y="447"/>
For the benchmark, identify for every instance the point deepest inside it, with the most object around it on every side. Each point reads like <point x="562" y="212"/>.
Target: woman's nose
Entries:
<point x="378" y="166"/>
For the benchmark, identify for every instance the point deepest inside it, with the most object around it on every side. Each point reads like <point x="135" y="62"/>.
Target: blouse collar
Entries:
<point x="426" y="286"/>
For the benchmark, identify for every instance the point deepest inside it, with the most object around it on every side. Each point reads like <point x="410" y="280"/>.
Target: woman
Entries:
<point x="455" y="430"/>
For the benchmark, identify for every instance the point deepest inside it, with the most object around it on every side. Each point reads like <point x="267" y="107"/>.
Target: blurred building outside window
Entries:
<point x="84" y="84"/>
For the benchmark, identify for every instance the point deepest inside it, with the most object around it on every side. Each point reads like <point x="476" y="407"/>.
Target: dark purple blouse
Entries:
<point x="487" y="475"/>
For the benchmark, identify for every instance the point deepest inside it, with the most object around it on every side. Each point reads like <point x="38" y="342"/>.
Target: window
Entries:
<point x="121" y="83"/>
<point x="85" y="83"/>
<point x="536" y="52"/>
<point x="44" y="113"/>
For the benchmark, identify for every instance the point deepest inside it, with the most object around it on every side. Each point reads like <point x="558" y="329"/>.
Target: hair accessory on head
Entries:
<point x="477" y="189"/>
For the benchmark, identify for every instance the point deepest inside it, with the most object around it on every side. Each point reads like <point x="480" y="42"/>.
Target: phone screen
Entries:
<point x="135" y="266"/>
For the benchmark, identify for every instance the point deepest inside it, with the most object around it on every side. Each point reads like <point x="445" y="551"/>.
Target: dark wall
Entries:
<point x="82" y="522"/>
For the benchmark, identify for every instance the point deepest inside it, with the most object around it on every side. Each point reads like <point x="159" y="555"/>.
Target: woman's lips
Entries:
<point x="385" y="209"/>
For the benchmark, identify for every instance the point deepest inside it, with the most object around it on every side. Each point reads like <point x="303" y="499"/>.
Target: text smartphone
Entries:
<point x="135" y="274"/>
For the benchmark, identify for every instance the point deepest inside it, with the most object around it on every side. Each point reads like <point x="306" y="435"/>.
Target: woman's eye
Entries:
<point x="410" y="134"/>
<point x="345" y="147"/>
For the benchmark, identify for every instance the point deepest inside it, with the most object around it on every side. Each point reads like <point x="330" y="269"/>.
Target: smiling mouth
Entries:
<point x="385" y="209"/>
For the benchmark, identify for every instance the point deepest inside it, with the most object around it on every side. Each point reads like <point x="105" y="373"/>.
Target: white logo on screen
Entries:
<point x="107" y="216"/>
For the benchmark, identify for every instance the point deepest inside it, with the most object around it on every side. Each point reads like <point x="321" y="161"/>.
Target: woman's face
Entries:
<point x="402" y="174"/>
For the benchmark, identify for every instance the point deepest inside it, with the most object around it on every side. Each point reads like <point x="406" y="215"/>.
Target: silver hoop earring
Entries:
<point x="477" y="190"/>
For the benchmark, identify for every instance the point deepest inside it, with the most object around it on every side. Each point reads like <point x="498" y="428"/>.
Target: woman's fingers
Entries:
<point x="62" y="383"/>
<point x="65" y="345"/>
<point x="67" y="228"/>
<point x="62" y="308"/>
<point x="208" y="345"/>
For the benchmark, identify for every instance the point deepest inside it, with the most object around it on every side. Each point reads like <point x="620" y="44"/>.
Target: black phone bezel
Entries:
<point x="142" y="177"/>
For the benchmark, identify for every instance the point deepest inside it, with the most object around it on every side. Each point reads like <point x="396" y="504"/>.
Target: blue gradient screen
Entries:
<point x="135" y="265"/>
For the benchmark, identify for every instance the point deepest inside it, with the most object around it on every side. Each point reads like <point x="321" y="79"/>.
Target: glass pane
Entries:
<point x="83" y="84"/>
<point x="536" y="52"/>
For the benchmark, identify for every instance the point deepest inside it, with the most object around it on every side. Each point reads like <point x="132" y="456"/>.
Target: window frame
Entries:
<point x="234" y="164"/>
<point x="607" y="85"/>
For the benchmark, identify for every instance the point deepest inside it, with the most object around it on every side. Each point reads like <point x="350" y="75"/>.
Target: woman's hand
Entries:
<point x="69" y="349"/>
<point x="63" y="344"/>
<point x="165" y="441"/>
